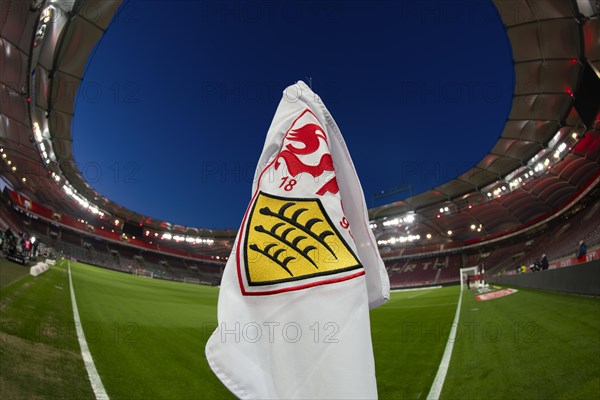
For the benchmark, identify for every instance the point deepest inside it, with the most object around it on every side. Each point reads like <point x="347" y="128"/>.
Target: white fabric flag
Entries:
<point x="293" y="312"/>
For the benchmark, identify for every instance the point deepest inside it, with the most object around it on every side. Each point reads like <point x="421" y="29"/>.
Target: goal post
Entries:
<point x="143" y="273"/>
<point x="476" y="276"/>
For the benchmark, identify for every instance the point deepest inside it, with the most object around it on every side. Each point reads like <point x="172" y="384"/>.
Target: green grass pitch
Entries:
<point x="11" y="272"/>
<point x="147" y="338"/>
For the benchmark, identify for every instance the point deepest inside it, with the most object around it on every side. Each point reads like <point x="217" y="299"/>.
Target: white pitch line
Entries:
<point x="440" y="377"/>
<point x="95" y="380"/>
<point x="413" y="289"/>
<point x="417" y="295"/>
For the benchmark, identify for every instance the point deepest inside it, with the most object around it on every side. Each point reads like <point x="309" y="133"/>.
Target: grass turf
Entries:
<point x="39" y="352"/>
<point x="409" y="337"/>
<point x="147" y="338"/>
<point x="157" y="330"/>
<point x="11" y="272"/>
<point x="528" y="345"/>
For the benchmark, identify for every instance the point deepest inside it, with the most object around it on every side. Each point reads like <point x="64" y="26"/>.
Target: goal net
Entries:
<point x="143" y="273"/>
<point x="472" y="278"/>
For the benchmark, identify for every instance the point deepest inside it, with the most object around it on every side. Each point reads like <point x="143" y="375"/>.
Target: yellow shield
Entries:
<point x="291" y="239"/>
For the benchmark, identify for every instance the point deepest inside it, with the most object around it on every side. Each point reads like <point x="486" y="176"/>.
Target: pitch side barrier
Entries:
<point x="582" y="278"/>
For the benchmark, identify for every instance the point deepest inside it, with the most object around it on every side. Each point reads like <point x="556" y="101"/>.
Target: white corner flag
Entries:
<point x="293" y="313"/>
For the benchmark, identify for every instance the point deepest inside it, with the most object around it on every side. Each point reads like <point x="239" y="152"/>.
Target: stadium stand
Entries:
<point x="424" y="271"/>
<point x="451" y="268"/>
<point x="563" y="240"/>
<point x="558" y="238"/>
<point x="415" y="273"/>
<point x="408" y="265"/>
<point x="115" y="254"/>
<point x="502" y="256"/>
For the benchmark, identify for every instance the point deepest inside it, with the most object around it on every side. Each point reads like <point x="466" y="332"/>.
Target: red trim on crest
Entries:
<point x="306" y="286"/>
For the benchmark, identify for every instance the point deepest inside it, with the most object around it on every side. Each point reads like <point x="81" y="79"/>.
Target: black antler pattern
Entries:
<point x="275" y="256"/>
<point x="293" y="244"/>
<point x="306" y="228"/>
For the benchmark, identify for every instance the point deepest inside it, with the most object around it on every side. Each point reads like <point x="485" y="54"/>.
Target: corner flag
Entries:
<point x="293" y="312"/>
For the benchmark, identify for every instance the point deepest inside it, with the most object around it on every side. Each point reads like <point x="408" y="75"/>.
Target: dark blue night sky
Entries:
<point x="178" y="96"/>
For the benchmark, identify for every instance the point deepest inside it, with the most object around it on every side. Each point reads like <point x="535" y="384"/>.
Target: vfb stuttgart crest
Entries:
<point x="291" y="237"/>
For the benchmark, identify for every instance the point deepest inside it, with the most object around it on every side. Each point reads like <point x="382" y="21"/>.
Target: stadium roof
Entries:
<point x="555" y="47"/>
<point x="556" y="54"/>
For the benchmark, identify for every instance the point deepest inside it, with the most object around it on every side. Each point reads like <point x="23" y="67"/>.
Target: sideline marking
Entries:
<point x="440" y="377"/>
<point x="412" y="289"/>
<point x="95" y="380"/>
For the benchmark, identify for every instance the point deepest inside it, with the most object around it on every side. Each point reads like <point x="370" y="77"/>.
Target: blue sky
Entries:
<point x="177" y="97"/>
